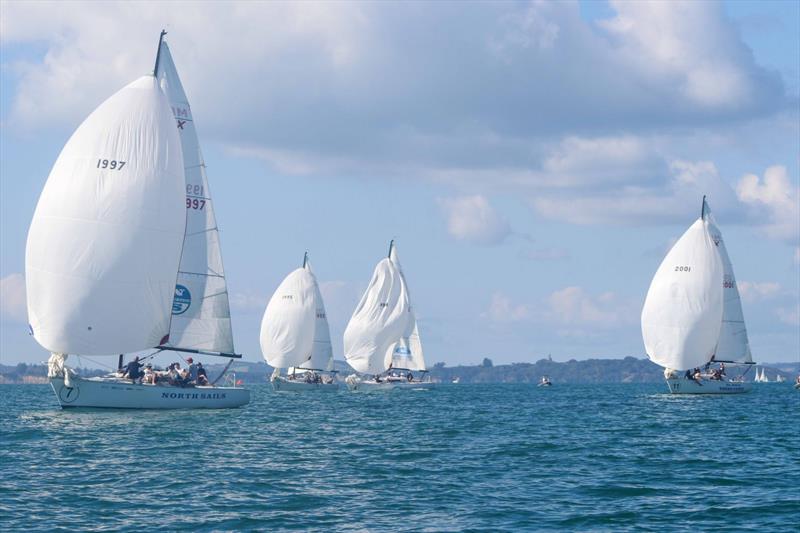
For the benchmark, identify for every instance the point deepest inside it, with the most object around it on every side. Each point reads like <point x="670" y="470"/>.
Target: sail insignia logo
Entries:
<point x="182" y="300"/>
<point x="402" y="350"/>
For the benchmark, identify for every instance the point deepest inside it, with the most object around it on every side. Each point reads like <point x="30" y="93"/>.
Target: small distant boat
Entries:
<point x="693" y="313"/>
<point x="295" y="334"/>
<point x="544" y="382"/>
<point x="124" y="214"/>
<point x="382" y="338"/>
<point x="779" y="379"/>
<point x="455" y="380"/>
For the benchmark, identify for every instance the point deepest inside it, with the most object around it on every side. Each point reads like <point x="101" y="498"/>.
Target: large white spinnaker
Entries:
<point x="287" y="328"/>
<point x="733" y="345"/>
<point x="105" y="241"/>
<point x="321" y="351"/>
<point x="682" y="313"/>
<point x="379" y="320"/>
<point x="201" y="317"/>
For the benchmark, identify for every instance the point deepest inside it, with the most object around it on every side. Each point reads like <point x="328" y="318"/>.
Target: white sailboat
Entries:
<point x="779" y="379"/>
<point x="295" y="334"/>
<point x="382" y="338"/>
<point x="112" y="230"/>
<point x="692" y="314"/>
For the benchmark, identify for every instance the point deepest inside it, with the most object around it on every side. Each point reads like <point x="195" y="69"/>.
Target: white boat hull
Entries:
<point x="282" y="384"/>
<point x="384" y="385"/>
<point x="120" y="395"/>
<point x="690" y="386"/>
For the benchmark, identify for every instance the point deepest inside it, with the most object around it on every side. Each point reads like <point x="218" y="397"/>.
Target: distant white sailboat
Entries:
<point x="779" y="379"/>
<point x="382" y="338"/>
<point x="692" y="314"/>
<point x="295" y="334"/>
<point x="111" y="231"/>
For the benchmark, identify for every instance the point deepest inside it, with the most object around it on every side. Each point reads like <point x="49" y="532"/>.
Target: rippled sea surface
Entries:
<point x="455" y="458"/>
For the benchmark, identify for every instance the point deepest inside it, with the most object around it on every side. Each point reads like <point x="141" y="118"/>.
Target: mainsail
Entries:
<point x="733" y="345"/>
<point x="104" y="244"/>
<point x="379" y="321"/>
<point x="201" y="317"/>
<point x="321" y="351"/>
<point x="407" y="351"/>
<point x="289" y="322"/>
<point x="682" y="313"/>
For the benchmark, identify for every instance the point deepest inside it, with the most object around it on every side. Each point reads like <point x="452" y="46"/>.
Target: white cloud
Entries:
<point x="502" y="309"/>
<point x="573" y="306"/>
<point x="775" y="199"/>
<point x="473" y="219"/>
<point x="13" y="303"/>
<point x="248" y="302"/>
<point x="753" y="291"/>
<point x="789" y="315"/>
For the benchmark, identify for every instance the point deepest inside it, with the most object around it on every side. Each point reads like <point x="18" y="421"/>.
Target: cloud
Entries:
<point x="473" y="219"/>
<point x="789" y="315"/>
<point x="248" y="302"/>
<point x="775" y="199"/>
<point x="13" y="302"/>
<point x="574" y="307"/>
<point x="502" y="309"/>
<point x="753" y="291"/>
<point x="545" y="254"/>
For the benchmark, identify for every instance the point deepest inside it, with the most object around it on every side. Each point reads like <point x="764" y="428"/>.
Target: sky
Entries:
<point x="533" y="160"/>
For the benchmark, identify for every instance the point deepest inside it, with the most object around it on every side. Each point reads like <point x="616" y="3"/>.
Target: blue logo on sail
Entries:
<point x="182" y="300"/>
<point x="403" y="351"/>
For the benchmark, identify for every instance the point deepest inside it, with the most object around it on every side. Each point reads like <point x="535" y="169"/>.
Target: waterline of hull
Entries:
<point x="121" y="395"/>
<point x="690" y="386"/>
<point x="282" y="384"/>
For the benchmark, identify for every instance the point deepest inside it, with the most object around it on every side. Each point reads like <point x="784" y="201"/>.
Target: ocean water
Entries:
<point x="456" y="458"/>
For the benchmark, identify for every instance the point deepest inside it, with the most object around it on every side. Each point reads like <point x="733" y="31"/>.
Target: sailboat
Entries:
<point x="115" y="226"/>
<point x="779" y="379"/>
<point x="295" y="334"/>
<point x="692" y="315"/>
<point x="382" y="338"/>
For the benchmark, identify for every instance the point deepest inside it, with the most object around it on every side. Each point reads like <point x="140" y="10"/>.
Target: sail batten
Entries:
<point x="201" y="308"/>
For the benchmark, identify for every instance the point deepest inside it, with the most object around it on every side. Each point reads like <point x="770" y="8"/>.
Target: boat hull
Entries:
<point x="690" y="386"/>
<point x="120" y="395"/>
<point x="282" y="384"/>
<point x="385" y="385"/>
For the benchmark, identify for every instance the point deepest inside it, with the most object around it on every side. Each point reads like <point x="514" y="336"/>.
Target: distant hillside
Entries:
<point x="627" y="370"/>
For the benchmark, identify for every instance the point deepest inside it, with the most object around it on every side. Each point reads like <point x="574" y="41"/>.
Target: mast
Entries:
<point x="703" y="208"/>
<point x="305" y="259"/>
<point x="158" y="52"/>
<point x="391" y="245"/>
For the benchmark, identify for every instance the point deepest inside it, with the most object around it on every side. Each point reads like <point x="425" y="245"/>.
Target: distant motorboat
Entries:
<point x="692" y="314"/>
<point x="455" y="380"/>
<point x="545" y="382"/>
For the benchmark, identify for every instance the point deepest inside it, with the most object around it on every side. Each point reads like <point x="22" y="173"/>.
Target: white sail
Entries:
<point x="287" y="329"/>
<point x="733" y="343"/>
<point x="104" y="244"/>
<point x="201" y="316"/>
<point x="380" y="319"/>
<point x="407" y="351"/>
<point x="682" y="313"/>
<point x="321" y="351"/>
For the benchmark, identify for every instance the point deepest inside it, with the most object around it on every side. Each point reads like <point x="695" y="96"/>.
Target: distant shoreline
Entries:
<point x="588" y="371"/>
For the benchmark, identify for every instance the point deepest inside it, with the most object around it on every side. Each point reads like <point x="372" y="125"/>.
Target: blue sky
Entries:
<point x="533" y="160"/>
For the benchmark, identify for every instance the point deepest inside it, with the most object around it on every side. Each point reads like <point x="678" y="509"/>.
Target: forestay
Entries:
<point x="287" y="329"/>
<point x="380" y="319"/>
<point x="201" y="317"/>
<point x="321" y="351"/>
<point x="733" y="344"/>
<point x="104" y="244"/>
<point x="682" y="313"/>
